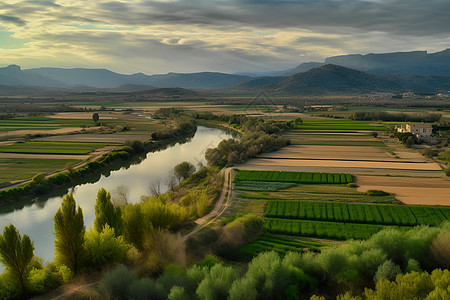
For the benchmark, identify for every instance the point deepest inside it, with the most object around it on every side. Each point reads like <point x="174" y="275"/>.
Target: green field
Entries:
<point x="339" y="143"/>
<point x="398" y="215"/>
<point x="280" y="244"/>
<point x="263" y="108"/>
<point x="52" y="147"/>
<point x="322" y="229"/>
<point x="18" y="169"/>
<point x="295" y="177"/>
<point x="42" y="123"/>
<point x="338" y="125"/>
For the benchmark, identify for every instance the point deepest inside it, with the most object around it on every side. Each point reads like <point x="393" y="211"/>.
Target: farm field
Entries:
<point x="87" y="140"/>
<point x="322" y="229"/>
<point x="339" y="125"/>
<point x="332" y="211"/>
<point x="280" y="244"/>
<point x="95" y="137"/>
<point x="414" y="191"/>
<point x="19" y="169"/>
<point x="381" y="214"/>
<point x="335" y="153"/>
<point x="309" y="192"/>
<point x="52" y="147"/>
<point x="297" y="177"/>
<point x="389" y="165"/>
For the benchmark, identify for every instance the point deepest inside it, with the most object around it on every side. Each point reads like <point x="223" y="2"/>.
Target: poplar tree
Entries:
<point x="15" y="254"/>
<point x="69" y="233"/>
<point x="106" y="213"/>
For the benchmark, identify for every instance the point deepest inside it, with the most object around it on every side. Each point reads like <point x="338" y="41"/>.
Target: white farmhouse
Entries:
<point x="420" y="130"/>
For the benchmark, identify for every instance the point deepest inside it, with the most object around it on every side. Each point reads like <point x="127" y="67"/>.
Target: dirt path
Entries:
<point x="222" y="204"/>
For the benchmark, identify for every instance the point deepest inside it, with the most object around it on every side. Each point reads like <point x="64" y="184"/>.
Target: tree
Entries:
<point x="184" y="170"/>
<point x="69" y="233"/>
<point x="106" y="213"/>
<point x="16" y="253"/>
<point x="95" y="117"/>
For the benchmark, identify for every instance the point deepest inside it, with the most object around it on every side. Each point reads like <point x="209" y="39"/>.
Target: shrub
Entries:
<point x="388" y="270"/>
<point x="44" y="280"/>
<point x="145" y="288"/>
<point x="116" y="283"/>
<point x="104" y="247"/>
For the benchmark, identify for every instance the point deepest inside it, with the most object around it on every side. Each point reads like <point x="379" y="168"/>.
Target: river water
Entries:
<point x="36" y="219"/>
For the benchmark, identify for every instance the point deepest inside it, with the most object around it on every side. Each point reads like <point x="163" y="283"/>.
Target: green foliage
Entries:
<point x="95" y="117"/>
<point x="412" y="285"/>
<point x="388" y="270"/>
<point x="163" y="214"/>
<point x="69" y="234"/>
<point x="44" y="280"/>
<point x="136" y="145"/>
<point x="259" y="136"/>
<point x="135" y="225"/>
<point x="106" y="213"/>
<point x="115" y="284"/>
<point x="145" y="288"/>
<point x="217" y="282"/>
<point x="184" y="170"/>
<point x="16" y="253"/>
<point x="66" y="273"/>
<point x="178" y="293"/>
<point x="38" y="178"/>
<point x="104" y="247"/>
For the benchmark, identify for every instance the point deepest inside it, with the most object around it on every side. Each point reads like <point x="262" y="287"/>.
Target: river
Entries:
<point x="36" y="219"/>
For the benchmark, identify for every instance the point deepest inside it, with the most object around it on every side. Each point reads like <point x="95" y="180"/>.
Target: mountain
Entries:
<point x="399" y="63"/>
<point x="259" y="82"/>
<point x="304" y="67"/>
<point x="396" y="63"/>
<point x="334" y="79"/>
<point x="103" y="78"/>
<point x="13" y="75"/>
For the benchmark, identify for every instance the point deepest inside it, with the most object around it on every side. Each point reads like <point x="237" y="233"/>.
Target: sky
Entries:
<point x="213" y="35"/>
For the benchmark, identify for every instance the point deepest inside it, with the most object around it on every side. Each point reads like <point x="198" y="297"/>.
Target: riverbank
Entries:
<point x="41" y="185"/>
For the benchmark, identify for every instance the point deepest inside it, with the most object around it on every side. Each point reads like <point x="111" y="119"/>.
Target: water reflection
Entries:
<point x="36" y="219"/>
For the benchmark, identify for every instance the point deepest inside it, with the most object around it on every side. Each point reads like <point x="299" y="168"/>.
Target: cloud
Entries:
<point x="8" y="20"/>
<point x="220" y="35"/>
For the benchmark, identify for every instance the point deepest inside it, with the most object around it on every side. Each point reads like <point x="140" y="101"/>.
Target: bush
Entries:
<point x="388" y="270"/>
<point x="104" y="247"/>
<point x="44" y="280"/>
<point x="376" y="193"/>
<point x="115" y="284"/>
<point x="145" y="288"/>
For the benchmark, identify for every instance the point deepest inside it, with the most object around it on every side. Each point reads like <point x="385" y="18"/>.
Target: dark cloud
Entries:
<point x="12" y="20"/>
<point x="394" y="16"/>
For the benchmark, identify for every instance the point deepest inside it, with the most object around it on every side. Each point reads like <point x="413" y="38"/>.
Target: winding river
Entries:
<point x="36" y="219"/>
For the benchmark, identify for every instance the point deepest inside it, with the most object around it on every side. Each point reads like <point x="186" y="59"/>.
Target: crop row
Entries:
<point x="270" y="242"/>
<point x="296" y="177"/>
<point x="400" y="215"/>
<point x="322" y="229"/>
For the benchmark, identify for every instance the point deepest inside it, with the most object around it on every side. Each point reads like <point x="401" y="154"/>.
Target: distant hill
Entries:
<point x="334" y="79"/>
<point x="103" y="78"/>
<point x="304" y="67"/>
<point x="259" y="82"/>
<point x="399" y="63"/>
<point x="396" y="63"/>
<point x="13" y="75"/>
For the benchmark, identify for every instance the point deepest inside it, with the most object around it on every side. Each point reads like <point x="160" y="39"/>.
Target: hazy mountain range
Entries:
<point x="390" y="72"/>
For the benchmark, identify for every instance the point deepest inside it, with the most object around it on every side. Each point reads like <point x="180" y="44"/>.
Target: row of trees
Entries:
<point x="397" y="117"/>
<point x="259" y="136"/>
<point x="393" y="264"/>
